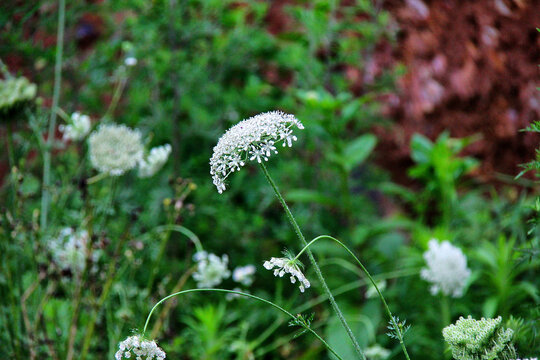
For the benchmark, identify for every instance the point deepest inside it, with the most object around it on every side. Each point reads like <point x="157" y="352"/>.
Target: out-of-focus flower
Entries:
<point x="154" y="161"/>
<point x="115" y="149"/>
<point x="134" y="347"/>
<point x="377" y="352"/>
<point x="446" y="268"/>
<point x="15" y="94"/>
<point x="70" y="250"/>
<point x="78" y="127"/>
<point x="288" y="265"/>
<point x="211" y="269"/>
<point x="251" y="139"/>
<point x="244" y="274"/>
<point x="130" y="61"/>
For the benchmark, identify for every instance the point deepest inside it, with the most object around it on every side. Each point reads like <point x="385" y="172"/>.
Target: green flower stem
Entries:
<point x="445" y="320"/>
<point x="314" y="264"/>
<point x="306" y="248"/>
<point x="243" y="294"/>
<point x="45" y="195"/>
<point x="94" y="179"/>
<point x="184" y="231"/>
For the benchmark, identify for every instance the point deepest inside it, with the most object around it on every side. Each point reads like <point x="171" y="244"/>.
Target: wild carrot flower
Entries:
<point x="78" y="127"/>
<point x="251" y="139"/>
<point x="134" y="347"/>
<point x="154" y="161"/>
<point x="287" y="265"/>
<point x="211" y="269"/>
<point x="130" y="61"/>
<point x="479" y="339"/>
<point x="244" y="274"/>
<point x="377" y="352"/>
<point x="115" y="149"/>
<point x="70" y="249"/>
<point x="447" y="268"/>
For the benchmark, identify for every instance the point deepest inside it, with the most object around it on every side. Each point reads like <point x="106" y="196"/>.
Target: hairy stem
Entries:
<point x="45" y="196"/>
<point x="314" y="264"/>
<point x="243" y="294"/>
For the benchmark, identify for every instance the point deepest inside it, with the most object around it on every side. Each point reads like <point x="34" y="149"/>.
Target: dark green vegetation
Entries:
<point x="202" y="67"/>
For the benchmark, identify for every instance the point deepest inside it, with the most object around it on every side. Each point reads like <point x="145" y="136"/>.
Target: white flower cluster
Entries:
<point x="70" y="249"/>
<point x="244" y="275"/>
<point x="252" y="139"/>
<point x="130" y="61"/>
<point x="446" y="268"/>
<point x="154" y="161"/>
<point x="140" y="349"/>
<point x="211" y="269"/>
<point x="479" y="339"/>
<point x="287" y="266"/>
<point x="115" y="149"/>
<point x="78" y="127"/>
<point x="377" y="352"/>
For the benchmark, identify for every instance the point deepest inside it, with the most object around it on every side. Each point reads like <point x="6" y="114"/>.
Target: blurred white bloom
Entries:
<point x="115" y="149"/>
<point x="139" y="349"/>
<point x="232" y="296"/>
<point x="287" y="265"/>
<point x="78" y="127"/>
<point x="70" y="249"/>
<point x="244" y="274"/>
<point x="130" y="61"/>
<point x="447" y="268"/>
<point x="377" y="352"/>
<point x="250" y="139"/>
<point x="211" y="269"/>
<point x="154" y="161"/>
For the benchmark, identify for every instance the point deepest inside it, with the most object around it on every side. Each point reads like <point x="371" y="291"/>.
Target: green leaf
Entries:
<point x="357" y="151"/>
<point x="309" y="196"/>
<point x="421" y="148"/>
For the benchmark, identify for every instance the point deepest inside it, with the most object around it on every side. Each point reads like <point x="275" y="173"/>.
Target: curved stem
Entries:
<point x="45" y="197"/>
<point x="243" y="294"/>
<point x="184" y="231"/>
<point x="370" y="279"/>
<point x="314" y="264"/>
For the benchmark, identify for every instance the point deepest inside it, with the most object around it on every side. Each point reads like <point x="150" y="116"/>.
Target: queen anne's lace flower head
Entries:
<point x="287" y="265"/>
<point x="134" y="347"/>
<point x="78" y="127"/>
<point x="447" y="268"/>
<point x="211" y="269"/>
<point x="70" y="249"/>
<point x="244" y="274"/>
<point x="483" y="339"/>
<point x="377" y="352"/>
<point x="115" y="149"/>
<point x="154" y="161"/>
<point x="251" y="139"/>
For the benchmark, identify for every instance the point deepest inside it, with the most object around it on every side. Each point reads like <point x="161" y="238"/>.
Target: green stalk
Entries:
<point x="314" y="263"/>
<point x="306" y="248"/>
<point x="45" y="196"/>
<point x="243" y="294"/>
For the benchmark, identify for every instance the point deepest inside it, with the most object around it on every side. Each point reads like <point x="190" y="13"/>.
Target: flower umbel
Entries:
<point x="115" y="149"/>
<point x="211" y="269"/>
<point x="447" y="268"/>
<point x="288" y="265"/>
<point x="70" y="249"/>
<point x="244" y="274"/>
<point x="483" y="339"/>
<point x="139" y="349"/>
<point x="78" y="127"/>
<point x="154" y="161"/>
<point x="251" y="139"/>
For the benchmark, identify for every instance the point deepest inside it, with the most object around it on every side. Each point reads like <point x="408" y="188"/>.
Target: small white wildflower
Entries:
<point x="447" y="268"/>
<point x="70" y="250"/>
<point x="377" y="352"/>
<point x="211" y="269"/>
<point x="252" y="139"/>
<point x="244" y="274"/>
<point x="141" y="349"/>
<point x="130" y="61"/>
<point x="154" y="161"/>
<point x="78" y="127"/>
<point x="115" y="149"/>
<point x="288" y="265"/>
